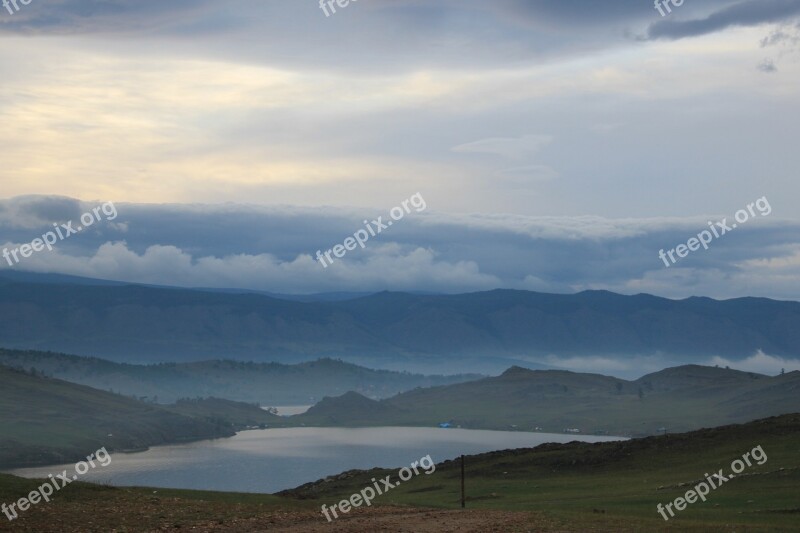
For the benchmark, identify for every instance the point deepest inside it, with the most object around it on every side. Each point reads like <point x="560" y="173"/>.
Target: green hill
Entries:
<point x="613" y="486"/>
<point x="678" y="399"/>
<point x="48" y="421"/>
<point x="215" y="410"/>
<point x="350" y="409"/>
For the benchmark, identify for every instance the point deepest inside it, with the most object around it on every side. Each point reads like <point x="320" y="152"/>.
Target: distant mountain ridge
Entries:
<point x="270" y="384"/>
<point x="21" y="276"/>
<point x="499" y="328"/>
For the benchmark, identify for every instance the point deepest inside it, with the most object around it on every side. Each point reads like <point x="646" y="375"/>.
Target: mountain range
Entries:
<point x="475" y="332"/>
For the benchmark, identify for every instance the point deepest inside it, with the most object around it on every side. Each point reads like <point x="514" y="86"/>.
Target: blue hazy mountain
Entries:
<point x="463" y="332"/>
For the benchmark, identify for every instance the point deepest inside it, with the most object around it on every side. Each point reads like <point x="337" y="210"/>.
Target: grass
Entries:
<point x="616" y="485"/>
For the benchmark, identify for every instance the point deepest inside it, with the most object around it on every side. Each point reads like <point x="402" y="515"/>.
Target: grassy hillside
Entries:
<point x="350" y="409"/>
<point x="614" y="486"/>
<point x="269" y="384"/>
<point x="237" y="414"/>
<point x="678" y="399"/>
<point x="47" y="421"/>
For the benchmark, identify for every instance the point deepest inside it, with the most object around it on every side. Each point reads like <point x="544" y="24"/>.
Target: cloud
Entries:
<point x="35" y="211"/>
<point x="746" y="13"/>
<point x="783" y="36"/>
<point x="785" y="40"/>
<point x="402" y="34"/>
<point x="760" y="363"/>
<point x="768" y="65"/>
<point x="385" y="266"/>
<point x="523" y="147"/>
<point x="94" y="16"/>
<point x="255" y="31"/>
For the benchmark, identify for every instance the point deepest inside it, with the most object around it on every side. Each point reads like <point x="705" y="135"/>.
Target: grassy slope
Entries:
<point x="240" y="415"/>
<point x="616" y="485"/>
<point x="680" y="399"/>
<point x="51" y="421"/>
<point x="573" y="487"/>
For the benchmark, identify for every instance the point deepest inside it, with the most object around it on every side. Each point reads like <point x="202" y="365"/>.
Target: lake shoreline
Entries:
<point x="269" y="460"/>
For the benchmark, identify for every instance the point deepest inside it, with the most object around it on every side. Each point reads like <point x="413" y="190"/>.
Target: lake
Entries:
<point x="289" y="410"/>
<point x="270" y="460"/>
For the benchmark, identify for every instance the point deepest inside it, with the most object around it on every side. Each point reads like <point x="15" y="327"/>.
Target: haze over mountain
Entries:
<point x="480" y="332"/>
<point x="22" y="276"/>
<point x="269" y="384"/>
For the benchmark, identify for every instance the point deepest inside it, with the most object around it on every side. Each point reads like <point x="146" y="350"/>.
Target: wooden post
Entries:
<point x="463" y="497"/>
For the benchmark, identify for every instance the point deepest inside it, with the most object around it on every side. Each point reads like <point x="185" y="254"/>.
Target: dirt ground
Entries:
<point x="412" y="521"/>
<point x="141" y="514"/>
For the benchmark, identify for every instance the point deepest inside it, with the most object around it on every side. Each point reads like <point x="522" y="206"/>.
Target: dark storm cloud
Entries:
<point x="747" y="13"/>
<point x="25" y="212"/>
<point x="579" y="11"/>
<point x="97" y="16"/>
<point x="379" y="35"/>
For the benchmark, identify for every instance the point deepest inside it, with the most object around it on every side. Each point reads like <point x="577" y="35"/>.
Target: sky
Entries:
<point x="558" y="145"/>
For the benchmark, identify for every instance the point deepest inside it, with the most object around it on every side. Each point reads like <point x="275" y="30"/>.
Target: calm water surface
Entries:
<point x="288" y="410"/>
<point x="271" y="460"/>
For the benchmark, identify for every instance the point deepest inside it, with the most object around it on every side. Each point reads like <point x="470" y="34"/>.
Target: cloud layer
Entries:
<point x="273" y="249"/>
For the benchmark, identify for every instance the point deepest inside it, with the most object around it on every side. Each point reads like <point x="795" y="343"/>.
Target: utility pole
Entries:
<point x="463" y="497"/>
